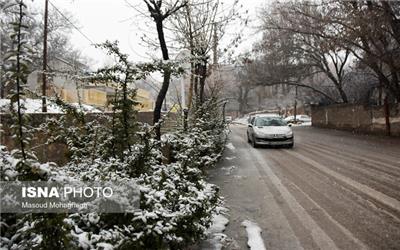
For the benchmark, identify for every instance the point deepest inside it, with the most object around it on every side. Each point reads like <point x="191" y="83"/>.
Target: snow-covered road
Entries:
<point x="334" y="190"/>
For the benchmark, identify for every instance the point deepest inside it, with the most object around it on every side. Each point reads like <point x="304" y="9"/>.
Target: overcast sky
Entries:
<point x="100" y="20"/>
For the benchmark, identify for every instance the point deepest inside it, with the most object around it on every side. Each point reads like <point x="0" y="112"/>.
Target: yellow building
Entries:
<point x="101" y="96"/>
<point x="145" y="100"/>
<point x="98" y="96"/>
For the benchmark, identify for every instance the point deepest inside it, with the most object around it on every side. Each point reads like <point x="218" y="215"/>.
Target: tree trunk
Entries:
<point x="19" y="111"/>
<point x="161" y="38"/>
<point x="342" y="94"/>
<point x="160" y="99"/>
<point x="192" y="79"/>
<point x="203" y="74"/>
<point x="167" y="76"/>
<point x="196" y="81"/>
<point x="192" y="65"/>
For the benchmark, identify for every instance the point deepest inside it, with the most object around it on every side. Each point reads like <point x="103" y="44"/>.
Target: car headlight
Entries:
<point x="259" y="133"/>
<point x="289" y="134"/>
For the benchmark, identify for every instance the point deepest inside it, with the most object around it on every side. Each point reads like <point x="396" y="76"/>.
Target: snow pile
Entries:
<point x="229" y="158"/>
<point x="228" y="170"/>
<point x="230" y="146"/>
<point x="255" y="242"/>
<point x="216" y="238"/>
<point x="219" y="223"/>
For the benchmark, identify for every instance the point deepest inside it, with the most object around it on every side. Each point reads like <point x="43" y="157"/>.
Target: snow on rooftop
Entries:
<point x="35" y="106"/>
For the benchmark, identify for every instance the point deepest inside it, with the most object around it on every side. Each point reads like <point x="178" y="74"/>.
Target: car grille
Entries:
<point x="275" y="139"/>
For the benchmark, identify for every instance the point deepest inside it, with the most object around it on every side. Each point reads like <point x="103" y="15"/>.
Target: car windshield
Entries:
<point x="269" y="121"/>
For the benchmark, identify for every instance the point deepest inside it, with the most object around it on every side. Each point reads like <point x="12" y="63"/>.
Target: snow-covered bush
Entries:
<point x="201" y="144"/>
<point x="176" y="203"/>
<point x="175" y="208"/>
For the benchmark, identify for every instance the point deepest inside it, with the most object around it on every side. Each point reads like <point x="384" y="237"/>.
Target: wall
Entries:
<point x="56" y="152"/>
<point x="357" y="118"/>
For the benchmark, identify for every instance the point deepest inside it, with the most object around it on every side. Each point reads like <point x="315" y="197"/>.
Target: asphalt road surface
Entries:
<point x="333" y="190"/>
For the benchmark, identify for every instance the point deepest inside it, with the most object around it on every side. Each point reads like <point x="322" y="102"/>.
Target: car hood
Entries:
<point x="273" y="129"/>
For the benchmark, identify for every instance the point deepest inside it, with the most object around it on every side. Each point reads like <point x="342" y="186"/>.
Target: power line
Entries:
<point x="73" y="25"/>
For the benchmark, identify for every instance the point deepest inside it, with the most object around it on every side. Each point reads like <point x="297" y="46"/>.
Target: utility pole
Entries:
<point x="2" y="85"/>
<point x="387" y="114"/>
<point x="295" y="106"/>
<point x="44" y="86"/>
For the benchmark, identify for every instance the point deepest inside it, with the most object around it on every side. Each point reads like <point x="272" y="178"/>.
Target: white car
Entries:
<point x="299" y="119"/>
<point x="228" y="119"/>
<point x="269" y="130"/>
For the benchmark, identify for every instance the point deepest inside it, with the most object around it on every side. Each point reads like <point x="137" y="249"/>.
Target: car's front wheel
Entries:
<point x="253" y="142"/>
<point x="248" y="138"/>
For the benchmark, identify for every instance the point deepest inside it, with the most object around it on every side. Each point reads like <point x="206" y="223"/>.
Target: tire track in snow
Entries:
<point x="359" y="160"/>
<point x="367" y="220"/>
<point x="347" y="141"/>
<point x="376" y="158"/>
<point x="344" y="230"/>
<point x="273" y="219"/>
<point x="376" y="195"/>
<point x="358" y="213"/>
<point x="372" y="177"/>
<point x="318" y="235"/>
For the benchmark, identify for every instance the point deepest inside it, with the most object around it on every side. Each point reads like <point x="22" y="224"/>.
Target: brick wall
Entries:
<point x="358" y="118"/>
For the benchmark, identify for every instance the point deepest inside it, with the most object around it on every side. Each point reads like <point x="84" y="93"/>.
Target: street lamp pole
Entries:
<point x="182" y="54"/>
<point x="223" y="110"/>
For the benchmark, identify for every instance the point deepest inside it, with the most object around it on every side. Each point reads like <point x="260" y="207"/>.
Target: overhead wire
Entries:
<point x="72" y="24"/>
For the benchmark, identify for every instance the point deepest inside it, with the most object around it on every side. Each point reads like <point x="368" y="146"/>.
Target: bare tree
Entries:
<point x="290" y="26"/>
<point x="200" y="27"/>
<point x="377" y="43"/>
<point x="244" y="86"/>
<point x="347" y="26"/>
<point x="159" y="14"/>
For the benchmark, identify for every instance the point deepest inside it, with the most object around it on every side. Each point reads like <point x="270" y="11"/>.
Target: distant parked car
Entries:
<point x="299" y="119"/>
<point x="269" y="130"/>
<point x="228" y="119"/>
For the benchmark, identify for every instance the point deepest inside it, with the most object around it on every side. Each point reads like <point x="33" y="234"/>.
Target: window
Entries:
<point x="269" y="121"/>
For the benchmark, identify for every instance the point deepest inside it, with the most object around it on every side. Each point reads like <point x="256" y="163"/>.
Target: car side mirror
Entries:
<point x="250" y="125"/>
<point x="289" y="124"/>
